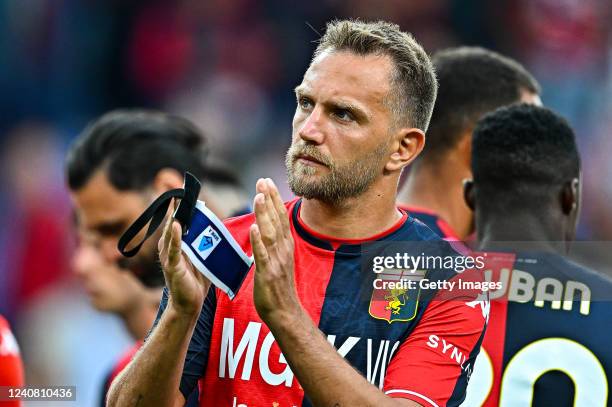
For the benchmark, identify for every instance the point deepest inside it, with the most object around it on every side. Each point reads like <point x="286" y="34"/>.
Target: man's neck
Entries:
<point x="522" y="232"/>
<point x="139" y="318"/>
<point x="440" y="189"/>
<point x="356" y="218"/>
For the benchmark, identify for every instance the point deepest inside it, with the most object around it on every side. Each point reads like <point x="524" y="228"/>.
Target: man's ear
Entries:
<point x="166" y="179"/>
<point x="469" y="193"/>
<point x="570" y="196"/>
<point x="407" y="145"/>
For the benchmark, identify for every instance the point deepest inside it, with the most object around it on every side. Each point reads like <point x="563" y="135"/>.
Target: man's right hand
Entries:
<point x="186" y="285"/>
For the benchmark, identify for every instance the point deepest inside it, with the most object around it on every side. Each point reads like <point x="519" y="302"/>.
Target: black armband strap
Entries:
<point x="205" y="240"/>
<point x="155" y="213"/>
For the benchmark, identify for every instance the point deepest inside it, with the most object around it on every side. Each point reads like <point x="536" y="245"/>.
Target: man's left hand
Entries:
<point x="274" y="290"/>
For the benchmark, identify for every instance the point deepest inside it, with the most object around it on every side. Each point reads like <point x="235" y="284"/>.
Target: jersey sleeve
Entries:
<point x="199" y="345"/>
<point x="433" y="365"/>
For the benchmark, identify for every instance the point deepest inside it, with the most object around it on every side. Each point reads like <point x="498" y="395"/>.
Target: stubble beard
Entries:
<point x="341" y="182"/>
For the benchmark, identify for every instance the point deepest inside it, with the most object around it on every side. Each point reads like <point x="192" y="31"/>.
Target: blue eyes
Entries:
<point x="305" y="103"/>
<point x="343" y="115"/>
<point x="339" y="113"/>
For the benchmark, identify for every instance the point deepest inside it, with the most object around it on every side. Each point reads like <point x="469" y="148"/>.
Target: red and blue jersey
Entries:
<point x="487" y="378"/>
<point x="548" y="338"/>
<point x="412" y="345"/>
<point x="432" y="220"/>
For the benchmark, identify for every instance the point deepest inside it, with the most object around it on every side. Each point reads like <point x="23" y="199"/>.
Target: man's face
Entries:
<point x="341" y="127"/>
<point x="110" y="289"/>
<point x="105" y="212"/>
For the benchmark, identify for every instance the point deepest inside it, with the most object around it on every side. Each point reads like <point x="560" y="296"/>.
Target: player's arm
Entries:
<point x="153" y="377"/>
<point x="327" y="379"/>
<point x="433" y="365"/>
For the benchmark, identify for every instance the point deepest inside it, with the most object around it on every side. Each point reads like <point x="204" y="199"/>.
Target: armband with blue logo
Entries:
<point x="205" y="240"/>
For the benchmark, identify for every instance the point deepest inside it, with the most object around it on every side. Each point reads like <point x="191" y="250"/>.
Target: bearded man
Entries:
<point x="306" y="328"/>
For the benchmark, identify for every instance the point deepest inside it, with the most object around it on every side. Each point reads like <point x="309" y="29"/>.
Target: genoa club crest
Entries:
<point x="396" y="302"/>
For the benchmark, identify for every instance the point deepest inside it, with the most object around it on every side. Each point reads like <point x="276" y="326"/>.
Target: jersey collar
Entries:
<point x="331" y="243"/>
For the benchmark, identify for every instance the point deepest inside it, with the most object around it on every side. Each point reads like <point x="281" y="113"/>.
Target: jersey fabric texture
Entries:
<point x="11" y="365"/>
<point x="410" y="345"/>
<point x="548" y="339"/>
<point x="432" y="220"/>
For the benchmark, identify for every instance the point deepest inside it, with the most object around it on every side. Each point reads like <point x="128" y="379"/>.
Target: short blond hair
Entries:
<point x="413" y="84"/>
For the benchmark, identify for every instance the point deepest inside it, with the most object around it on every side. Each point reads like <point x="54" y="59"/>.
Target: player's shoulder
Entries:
<point x="414" y="229"/>
<point x="431" y="219"/>
<point x="561" y="268"/>
<point x="423" y="231"/>
<point x="418" y="237"/>
<point x="584" y="273"/>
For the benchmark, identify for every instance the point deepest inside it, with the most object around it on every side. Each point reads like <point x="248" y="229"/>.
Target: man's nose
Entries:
<point x="80" y="261"/>
<point x="311" y="129"/>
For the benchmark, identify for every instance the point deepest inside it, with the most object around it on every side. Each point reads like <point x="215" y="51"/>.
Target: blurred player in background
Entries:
<point x="117" y="291"/>
<point x="11" y="365"/>
<point x="115" y="168"/>
<point x="118" y="166"/>
<point x="301" y="331"/>
<point x="526" y="197"/>
<point x="123" y="161"/>
<point x="472" y="81"/>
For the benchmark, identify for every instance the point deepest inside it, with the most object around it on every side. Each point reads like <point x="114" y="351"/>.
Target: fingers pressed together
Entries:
<point x="272" y="224"/>
<point x="170" y="243"/>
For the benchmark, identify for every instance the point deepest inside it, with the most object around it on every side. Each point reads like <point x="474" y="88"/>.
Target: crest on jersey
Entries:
<point x="399" y="303"/>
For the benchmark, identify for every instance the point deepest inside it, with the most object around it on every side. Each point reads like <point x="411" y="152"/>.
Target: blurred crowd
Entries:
<point x="230" y="66"/>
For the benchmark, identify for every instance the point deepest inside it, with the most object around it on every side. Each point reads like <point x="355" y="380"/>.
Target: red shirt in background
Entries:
<point x="11" y="366"/>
